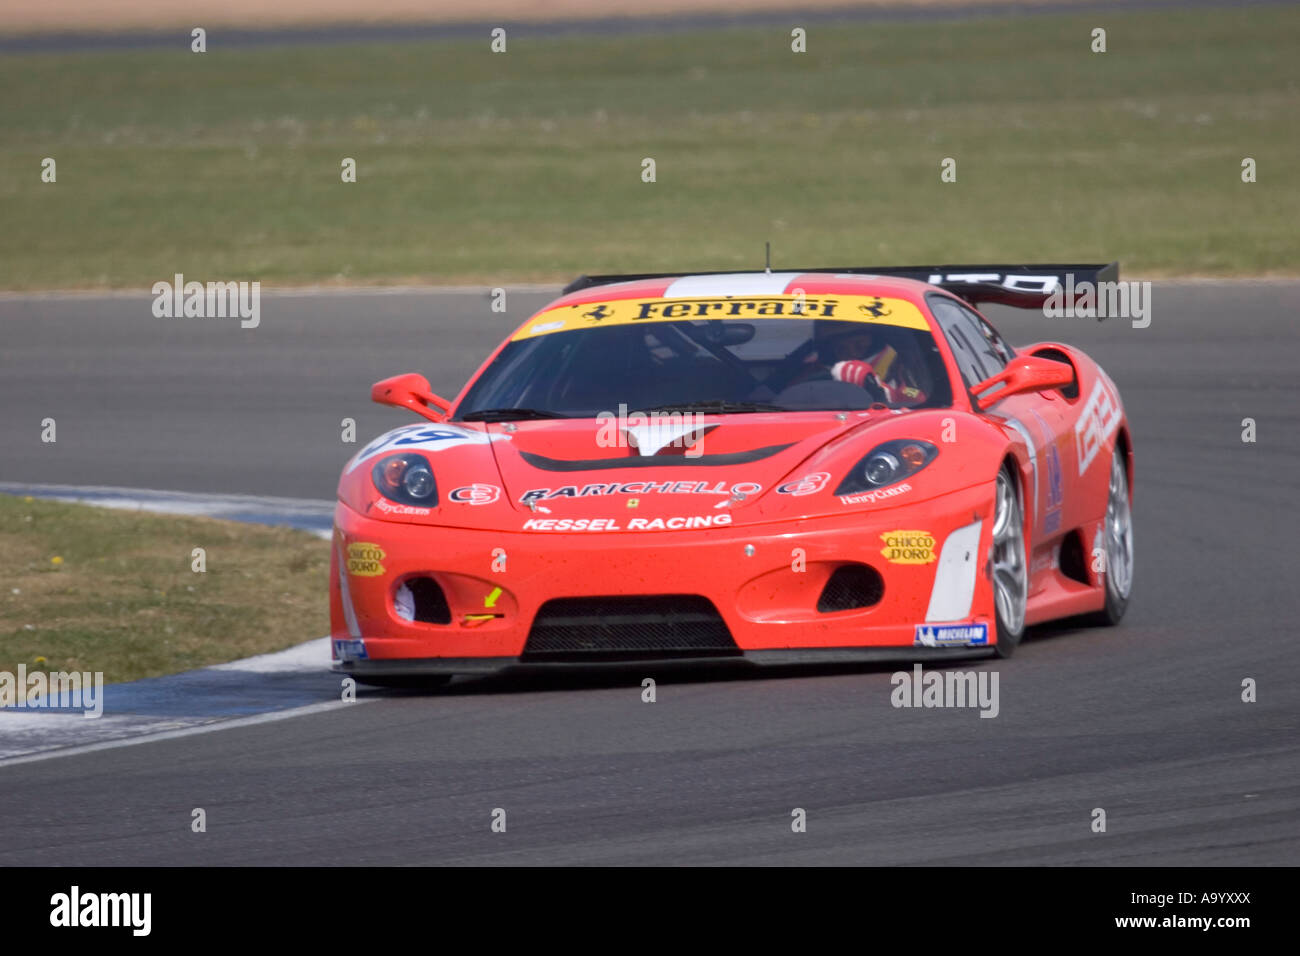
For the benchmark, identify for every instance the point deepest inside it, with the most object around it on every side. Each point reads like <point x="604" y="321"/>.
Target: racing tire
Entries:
<point x="1010" y="566"/>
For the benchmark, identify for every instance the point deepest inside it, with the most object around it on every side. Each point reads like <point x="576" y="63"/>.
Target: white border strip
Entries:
<point x="184" y="732"/>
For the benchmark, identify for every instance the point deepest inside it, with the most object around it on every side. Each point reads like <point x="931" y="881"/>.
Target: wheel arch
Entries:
<point x="1124" y="446"/>
<point x="1022" y="472"/>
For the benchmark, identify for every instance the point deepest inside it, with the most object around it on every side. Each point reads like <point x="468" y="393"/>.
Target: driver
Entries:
<point x="858" y="354"/>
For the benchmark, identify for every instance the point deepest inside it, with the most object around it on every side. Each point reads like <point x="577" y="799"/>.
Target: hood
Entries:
<point x="692" y="465"/>
<point x="588" y="474"/>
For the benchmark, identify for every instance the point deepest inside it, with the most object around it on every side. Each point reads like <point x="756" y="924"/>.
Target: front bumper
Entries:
<point x="495" y="582"/>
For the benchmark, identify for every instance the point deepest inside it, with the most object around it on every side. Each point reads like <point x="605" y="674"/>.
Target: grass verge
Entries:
<point x="527" y="165"/>
<point x="95" y="589"/>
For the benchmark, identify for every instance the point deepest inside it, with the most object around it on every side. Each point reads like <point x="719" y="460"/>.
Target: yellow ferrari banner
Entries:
<point x="869" y="309"/>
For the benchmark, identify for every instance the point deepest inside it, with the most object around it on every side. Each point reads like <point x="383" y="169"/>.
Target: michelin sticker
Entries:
<point x="951" y="635"/>
<point x="354" y="650"/>
<point x="424" y="438"/>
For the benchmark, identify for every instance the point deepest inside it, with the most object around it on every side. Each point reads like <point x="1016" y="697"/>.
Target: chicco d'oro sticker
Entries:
<point x="908" y="547"/>
<point x="365" y="560"/>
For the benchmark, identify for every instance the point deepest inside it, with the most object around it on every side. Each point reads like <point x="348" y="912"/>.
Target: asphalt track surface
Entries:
<point x="1144" y="721"/>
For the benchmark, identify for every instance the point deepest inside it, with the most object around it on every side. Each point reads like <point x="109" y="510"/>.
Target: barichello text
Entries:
<point x="645" y="488"/>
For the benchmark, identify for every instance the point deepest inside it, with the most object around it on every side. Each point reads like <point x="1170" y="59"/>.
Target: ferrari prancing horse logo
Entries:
<point x="875" y="309"/>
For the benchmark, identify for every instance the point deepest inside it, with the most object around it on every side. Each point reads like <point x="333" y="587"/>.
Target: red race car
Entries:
<point x="821" y="465"/>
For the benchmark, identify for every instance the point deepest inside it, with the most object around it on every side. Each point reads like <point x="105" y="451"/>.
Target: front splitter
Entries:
<point x="471" y="666"/>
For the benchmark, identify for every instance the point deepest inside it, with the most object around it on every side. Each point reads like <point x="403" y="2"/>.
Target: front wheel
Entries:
<point x="1010" y="570"/>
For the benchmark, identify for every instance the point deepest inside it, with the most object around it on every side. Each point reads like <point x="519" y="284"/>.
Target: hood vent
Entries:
<point x="660" y="438"/>
<point x="598" y="464"/>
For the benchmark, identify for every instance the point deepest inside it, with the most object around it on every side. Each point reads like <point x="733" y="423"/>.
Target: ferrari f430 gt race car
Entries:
<point x="821" y="465"/>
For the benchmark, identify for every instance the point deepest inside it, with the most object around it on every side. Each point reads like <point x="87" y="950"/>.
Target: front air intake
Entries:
<point x="429" y="602"/>
<point x="622" y="627"/>
<point x="852" y="586"/>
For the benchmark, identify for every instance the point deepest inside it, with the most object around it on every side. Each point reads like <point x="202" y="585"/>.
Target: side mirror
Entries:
<point x="1024" y="373"/>
<point x="410" y="391"/>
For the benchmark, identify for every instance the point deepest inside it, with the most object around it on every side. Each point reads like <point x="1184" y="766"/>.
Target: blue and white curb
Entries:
<point x="269" y="686"/>
<point x="274" y="686"/>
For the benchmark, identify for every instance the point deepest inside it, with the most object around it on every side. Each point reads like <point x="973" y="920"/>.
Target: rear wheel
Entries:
<point x="1010" y="570"/>
<point x="1118" y="545"/>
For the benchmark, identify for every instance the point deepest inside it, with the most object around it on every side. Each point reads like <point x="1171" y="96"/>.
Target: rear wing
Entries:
<point x="1022" y="286"/>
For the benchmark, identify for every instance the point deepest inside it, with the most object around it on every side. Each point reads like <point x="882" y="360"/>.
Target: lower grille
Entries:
<point x="668" y="625"/>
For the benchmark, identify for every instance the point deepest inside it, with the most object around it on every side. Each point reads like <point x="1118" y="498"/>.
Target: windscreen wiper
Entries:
<point x="720" y="405"/>
<point x="507" y="414"/>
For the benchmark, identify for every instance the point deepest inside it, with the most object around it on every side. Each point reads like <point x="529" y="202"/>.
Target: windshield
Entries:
<point x="723" y="365"/>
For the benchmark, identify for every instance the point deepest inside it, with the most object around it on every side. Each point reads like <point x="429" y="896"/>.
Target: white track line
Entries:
<point x="184" y="732"/>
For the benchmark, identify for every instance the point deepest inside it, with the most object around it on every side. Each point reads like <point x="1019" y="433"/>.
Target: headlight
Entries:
<point x="406" y="479"/>
<point x="888" y="463"/>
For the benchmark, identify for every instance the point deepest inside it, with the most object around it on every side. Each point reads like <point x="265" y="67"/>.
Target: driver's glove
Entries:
<point x="853" y="372"/>
<point x="856" y="373"/>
